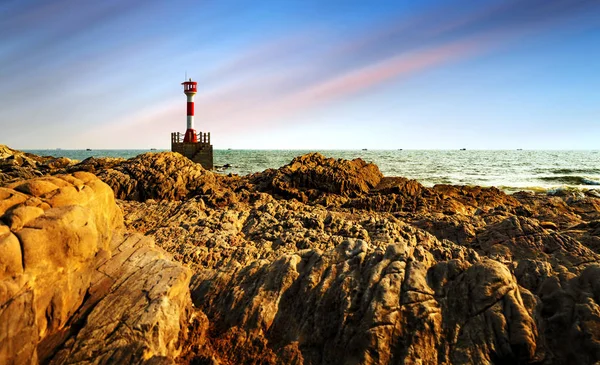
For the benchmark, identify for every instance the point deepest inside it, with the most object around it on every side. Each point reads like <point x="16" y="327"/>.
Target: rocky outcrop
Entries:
<point x="137" y="309"/>
<point x="171" y="176"/>
<point x="308" y="176"/>
<point x="164" y="175"/>
<point x="73" y="289"/>
<point x="95" y="165"/>
<point x="16" y="165"/>
<point x="399" y="273"/>
<point x="321" y="261"/>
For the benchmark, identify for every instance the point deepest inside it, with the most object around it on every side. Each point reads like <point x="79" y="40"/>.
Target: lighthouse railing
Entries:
<point x="176" y="137"/>
<point x="202" y="138"/>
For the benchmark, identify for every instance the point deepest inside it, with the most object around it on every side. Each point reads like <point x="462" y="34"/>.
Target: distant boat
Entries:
<point x="463" y="149"/>
<point x="88" y="149"/>
<point x="519" y="149"/>
<point x="153" y="149"/>
<point x="364" y="149"/>
<point x="399" y="149"/>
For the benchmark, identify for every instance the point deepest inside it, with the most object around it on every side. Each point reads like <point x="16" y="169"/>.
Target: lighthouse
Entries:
<point x="193" y="145"/>
<point x="189" y="89"/>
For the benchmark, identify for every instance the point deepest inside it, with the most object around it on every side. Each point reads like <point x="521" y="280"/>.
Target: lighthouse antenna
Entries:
<point x="185" y="75"/>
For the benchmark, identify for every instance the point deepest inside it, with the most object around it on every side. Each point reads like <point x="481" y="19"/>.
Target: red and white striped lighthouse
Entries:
<point x="189" y="88"/>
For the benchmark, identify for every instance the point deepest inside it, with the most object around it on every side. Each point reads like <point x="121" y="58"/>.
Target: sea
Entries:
<point x="509" y="170"/>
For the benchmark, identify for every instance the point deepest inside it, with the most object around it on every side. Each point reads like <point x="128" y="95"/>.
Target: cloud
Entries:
<point x="377" y="56"/>
<point x="55" y="34"/>
<point x="263" y="82"/>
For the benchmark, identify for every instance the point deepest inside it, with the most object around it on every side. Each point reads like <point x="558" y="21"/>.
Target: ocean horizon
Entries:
<point x="509" y="170"/>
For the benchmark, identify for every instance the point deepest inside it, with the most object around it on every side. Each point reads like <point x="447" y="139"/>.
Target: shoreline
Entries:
<point x="551" y="180"/>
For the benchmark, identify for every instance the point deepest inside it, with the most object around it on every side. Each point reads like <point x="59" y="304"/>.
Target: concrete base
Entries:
<point x="201" y="153"/>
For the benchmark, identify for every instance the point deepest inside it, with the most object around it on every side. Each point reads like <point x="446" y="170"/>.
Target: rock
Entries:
<point x="69" y="281"/>
<point x="549" y="225"/>
<point x="497" y="326"/>
<point x="593" y="193"/>
<point x="311" y="175"/>
<point x="15" y="165"/>
<point x="164" y="175"/>
<point x="58" y="163"/>
<point x="6" y="152"/>
<point x="281" y="280"/>
<point x="524" y="238"/>
<point x="400" y="186"/>
<point x="136" y="313"/>
<point x="320" y="261"/>
<point x="11" y="264"/>
<point x="97" y="164"/>
<point x="55" y="242"/>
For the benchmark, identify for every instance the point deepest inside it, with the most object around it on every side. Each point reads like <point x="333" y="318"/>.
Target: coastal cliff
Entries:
<point x="321" y="261"/>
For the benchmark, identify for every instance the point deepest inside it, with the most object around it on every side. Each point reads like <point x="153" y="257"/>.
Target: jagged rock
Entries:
<point x="68" y="279"/>
<point x="310" y="175"/>
<point x="164" y="175"/>
<point x="139" y="309"/>
<point x="524" y="238"/>
<point x="399" y="185"/>
<point x="97" y="164"/>
<point x="320" y="261"/>
<point x="285" y="282"/>
<point x="456" y="228"/>
<point x="54" y="228"/>
<point x="17" y="165"/>
<point x="403" y="195"/>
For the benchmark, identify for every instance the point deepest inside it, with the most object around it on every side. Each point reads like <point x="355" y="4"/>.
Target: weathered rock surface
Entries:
<point x="137" y="309"/>
<point x="16" y="165"/>
<point x="73" y="289"/>
<point x="385" y="272"/>
<point x="164" y="175"/>
<point x="170" y="176"/>
<point x="325" y="261"/>
<point x="308" y="176"/>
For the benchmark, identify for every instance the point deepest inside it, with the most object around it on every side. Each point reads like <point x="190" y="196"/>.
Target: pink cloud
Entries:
<point x="356" y="81"/>
<point x="272" y="82"/>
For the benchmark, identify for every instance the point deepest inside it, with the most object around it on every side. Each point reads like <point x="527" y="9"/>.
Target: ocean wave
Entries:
<point x="579" y="192"/>
<point x="567" y="171"/>
<point x="570" y="180"/>
<point x="514" y="189"/>
<point x="563" y="190"/>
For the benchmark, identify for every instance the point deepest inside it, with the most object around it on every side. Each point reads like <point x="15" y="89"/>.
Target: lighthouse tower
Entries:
<point x="193" y="145"/>
<point x="189" y="88"/>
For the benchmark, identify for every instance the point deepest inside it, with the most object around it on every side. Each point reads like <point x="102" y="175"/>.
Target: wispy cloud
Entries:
<point x="94" y="51"/>
<point x="377" y="55"/>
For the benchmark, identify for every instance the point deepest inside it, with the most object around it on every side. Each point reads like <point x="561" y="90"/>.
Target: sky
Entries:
<point x="301" y="74"/>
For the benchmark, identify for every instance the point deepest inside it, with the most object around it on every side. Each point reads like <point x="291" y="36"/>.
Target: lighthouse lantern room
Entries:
<point x="189" y="88"/>
<point x="193" y="145"/>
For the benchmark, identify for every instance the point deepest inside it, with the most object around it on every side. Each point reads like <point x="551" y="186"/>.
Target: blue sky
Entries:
<point x="302" y="74"/>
